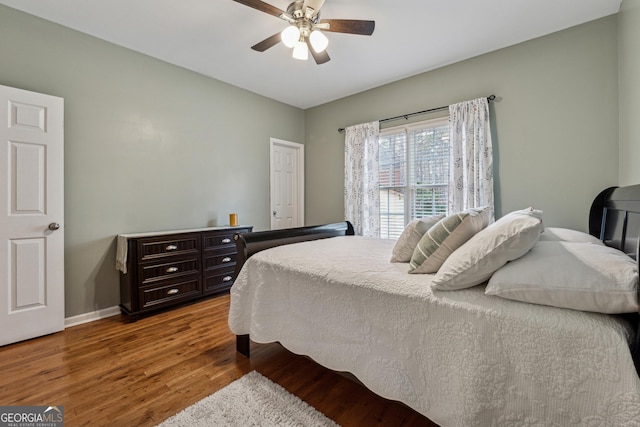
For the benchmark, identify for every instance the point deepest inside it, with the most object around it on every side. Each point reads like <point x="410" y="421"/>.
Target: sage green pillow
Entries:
<point x="446" y="236"/>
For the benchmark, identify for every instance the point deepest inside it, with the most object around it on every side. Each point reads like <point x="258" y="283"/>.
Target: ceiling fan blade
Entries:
<point x="319" y="57"/>
<point x="265" y="7"/>
<point x="267" y="43"/>
<point x="349" y="26"/>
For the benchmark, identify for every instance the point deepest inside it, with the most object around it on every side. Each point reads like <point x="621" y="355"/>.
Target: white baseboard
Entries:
<point x="90" y="317"/>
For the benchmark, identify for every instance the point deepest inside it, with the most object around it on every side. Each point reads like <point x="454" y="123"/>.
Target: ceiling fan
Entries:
<point x="304" y="33"/>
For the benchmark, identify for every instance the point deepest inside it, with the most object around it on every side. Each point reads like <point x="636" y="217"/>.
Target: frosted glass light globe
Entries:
<point x="301" y="51"/>
<point x="318" y="41"/>
<point x="290" y="36"/>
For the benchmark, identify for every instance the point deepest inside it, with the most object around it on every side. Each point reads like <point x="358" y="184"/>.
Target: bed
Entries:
<point x="459" y="357"/>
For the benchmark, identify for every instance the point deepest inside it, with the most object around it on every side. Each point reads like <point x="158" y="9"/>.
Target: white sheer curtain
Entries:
<point x="361" y="185"/>
<point x="471" y="167"/>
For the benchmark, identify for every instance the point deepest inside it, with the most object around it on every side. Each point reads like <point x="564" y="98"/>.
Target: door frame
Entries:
<point x="273" y="142"/>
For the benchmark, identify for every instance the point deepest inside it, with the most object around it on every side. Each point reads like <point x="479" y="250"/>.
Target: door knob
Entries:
<point x="54" y="226"/>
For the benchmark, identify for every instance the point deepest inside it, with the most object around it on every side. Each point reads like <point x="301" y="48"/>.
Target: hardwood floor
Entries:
<point x="113" y="372"/>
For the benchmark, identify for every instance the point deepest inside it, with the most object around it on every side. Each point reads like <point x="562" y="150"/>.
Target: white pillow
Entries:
<point x="507" y="239"/>
<point x="410" y="237"/>
<point x="580" y="276"/>
<point x="446" y="236"/>
<point x="556" y="234"/>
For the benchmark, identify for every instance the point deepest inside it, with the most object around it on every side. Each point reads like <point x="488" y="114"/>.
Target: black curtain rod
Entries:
<point x="431" y="110"/>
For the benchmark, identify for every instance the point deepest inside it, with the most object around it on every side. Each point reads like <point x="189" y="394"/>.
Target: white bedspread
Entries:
<point x="461" y="358"/>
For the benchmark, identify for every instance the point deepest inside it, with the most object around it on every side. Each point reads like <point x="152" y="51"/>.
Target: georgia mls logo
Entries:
<point x="31" y="416"/>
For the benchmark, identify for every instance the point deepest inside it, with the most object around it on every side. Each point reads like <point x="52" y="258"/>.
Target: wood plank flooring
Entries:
<point x="112" y="372"/>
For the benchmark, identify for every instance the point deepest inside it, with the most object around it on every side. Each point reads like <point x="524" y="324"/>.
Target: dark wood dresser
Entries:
<point x="163" y="269"/>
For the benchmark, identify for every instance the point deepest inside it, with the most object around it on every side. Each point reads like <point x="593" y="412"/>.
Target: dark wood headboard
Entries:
<point x="615" y="219"/>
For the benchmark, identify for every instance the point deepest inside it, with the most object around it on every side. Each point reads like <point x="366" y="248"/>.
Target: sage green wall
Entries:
<point x="555" y="123"/>
<point x="629" y="51"/>
<point x="148" y="145"/>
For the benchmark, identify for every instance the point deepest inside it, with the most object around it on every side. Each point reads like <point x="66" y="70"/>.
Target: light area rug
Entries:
<point x="252" y="400"/>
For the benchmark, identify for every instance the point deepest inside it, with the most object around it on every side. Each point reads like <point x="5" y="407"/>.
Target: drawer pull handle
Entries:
<point x="173" y="291"/>
<point x="171" y="248"/>
<point x="172" y="269"/>
<point x="226" y="240"/>
<point x="227" y="278"/>
<point x="226" y="259"/>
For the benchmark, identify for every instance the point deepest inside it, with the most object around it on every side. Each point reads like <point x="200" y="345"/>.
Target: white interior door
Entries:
<point x="31" y="215"/>
<point x="287" y="184"/>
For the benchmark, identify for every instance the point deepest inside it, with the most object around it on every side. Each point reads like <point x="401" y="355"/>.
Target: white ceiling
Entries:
<point x="213" y="37"/>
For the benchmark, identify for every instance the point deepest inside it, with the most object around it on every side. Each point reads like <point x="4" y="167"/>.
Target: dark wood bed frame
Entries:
<point x="248" y="244"/>
<point x="614" y="218"/>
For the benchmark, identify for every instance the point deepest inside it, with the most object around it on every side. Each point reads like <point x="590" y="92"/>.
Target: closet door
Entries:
<point x="287" y="184"/>
<point x="31" y="215"/>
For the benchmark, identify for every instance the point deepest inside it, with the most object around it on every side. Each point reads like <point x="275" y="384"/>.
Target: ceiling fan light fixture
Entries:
<point x="318" y="41"/>
<point x="290" y="36"/>
<point x="305" y="29"/>
<point x="301" y="51"/>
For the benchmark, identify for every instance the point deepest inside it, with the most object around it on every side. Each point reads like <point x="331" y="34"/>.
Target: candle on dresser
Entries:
<point x="233" y="219"/>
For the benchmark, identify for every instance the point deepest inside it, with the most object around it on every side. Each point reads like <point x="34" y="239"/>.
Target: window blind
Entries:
<point x="414" y="174"/>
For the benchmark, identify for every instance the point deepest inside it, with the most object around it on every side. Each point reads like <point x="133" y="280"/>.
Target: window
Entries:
<point x="414" y="174"/>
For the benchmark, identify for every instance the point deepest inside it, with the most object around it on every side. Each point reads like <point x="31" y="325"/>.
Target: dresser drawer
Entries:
<point x="154" y="272"/>
<point x="217" y="240"/>
<point x="168" y="293"/>
<point x="168" y="246"/>
<point x="218" y="282"/>
<point x="220" y="259"/>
